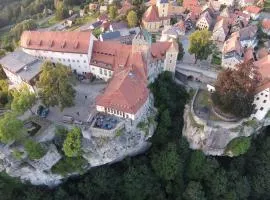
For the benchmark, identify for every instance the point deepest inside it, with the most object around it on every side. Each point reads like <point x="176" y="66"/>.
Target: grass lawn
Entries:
<point x="52" y="21"/>
<point x="85" y="19"/>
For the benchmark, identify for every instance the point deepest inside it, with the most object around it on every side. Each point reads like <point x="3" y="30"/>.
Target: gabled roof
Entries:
<point x="231" y="45"/>
<point x="151" y="14"/>
<point x="206" y="15"/>
<point x="221" y="24"/>
<point x="246" y="33"/>
<point x="266" y="24"/>
<point x="158" y="50"/>
<point x="263" y="66"/>
<point x="57" y="41"/>
<point x="127" y="91"/>
<point x="252" y="9"/>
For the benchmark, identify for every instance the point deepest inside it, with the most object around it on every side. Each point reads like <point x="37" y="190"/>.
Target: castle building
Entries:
<point x="127" y="68"/>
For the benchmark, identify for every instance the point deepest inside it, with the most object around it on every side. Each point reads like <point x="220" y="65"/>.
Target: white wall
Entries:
<point x="230" y="62"/>
<point x="101" y="73"/>
<point x="170" y="61"/>
<point x="262" y="104"/>
<point x="78" y="62"/>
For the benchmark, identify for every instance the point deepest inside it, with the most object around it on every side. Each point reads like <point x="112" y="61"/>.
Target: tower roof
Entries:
<point x="151" y="14"/>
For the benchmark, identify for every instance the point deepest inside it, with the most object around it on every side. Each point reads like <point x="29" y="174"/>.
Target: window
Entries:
<point x="59" y="59"/>
<point x="105" y="72"/>
<point x="261" y="108"/>
<point x="68" y="60"/>
<point x="257" y="98"/>
<point x="110" y="73"/>
<point x="264" y="101"/>
<point x="100" y="70"/>
<point x="84" y="61"/>
<point x="73" y="60"/>
<point x="78" y="61"/>
<point x="64" y="60"/>
<point x="266" y="95"/>
<point x="170" y="61"/>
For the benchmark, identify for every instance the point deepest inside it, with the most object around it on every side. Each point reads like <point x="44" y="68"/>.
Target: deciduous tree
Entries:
<point x="112" y="11"/>
<point x="11" y="128"/>
<point x="55" y="88"/>
<point x="235" y="89"/>
<point x="23" y="99"/>
<point x="200" y="44"/>
<point x="72" y="143"/>
<point x="132" y="18"/>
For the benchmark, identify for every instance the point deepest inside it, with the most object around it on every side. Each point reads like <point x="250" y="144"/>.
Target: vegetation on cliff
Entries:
<point x="169" y="170"/>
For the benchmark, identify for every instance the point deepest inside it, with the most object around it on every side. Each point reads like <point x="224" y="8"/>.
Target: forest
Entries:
<point x="168" y="170"/>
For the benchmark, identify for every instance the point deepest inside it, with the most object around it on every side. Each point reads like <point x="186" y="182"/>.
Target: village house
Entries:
<point x="205" y="21"/>
<point x="191" y="4"/>
<point x="126" y="67"/>
<point x="126" y="6"/>
<point x="156" y="16"/>
<point x="262" y="97"/>
<point x="220" y="30"/>
<point x="244" y="3"/>
<point x="21" y="69"/>
<point x="173" y="32"/>
<point x="232" y="52"/>
<point x="266" y="26"/>
<point x="227" y="2"/>
<point x="253" y="11"/>
<point x="247" y="36"/>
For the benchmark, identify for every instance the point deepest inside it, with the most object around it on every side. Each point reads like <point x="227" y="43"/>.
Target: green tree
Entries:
<point x="23" y="99"/>
<point x="132" y="18"/>
<point x="34" y="150"/>
<point x="54" y="86"/>
<point x="2" y="73"/>
<point x="181" y="51"/>
<point x="11" y="128"/>
<point x="167" y="163"/>
<point x="194" y="191"/>
<point x="112" y="11"/>
<point x="200" y="44"/>
<point x="72" y="143"/>
<point x="61" y="11"/>
<point x="25" y="25"/>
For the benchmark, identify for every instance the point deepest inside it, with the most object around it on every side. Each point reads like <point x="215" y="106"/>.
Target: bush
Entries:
<point x="17" y="154"/>
<point x="69" y="165"/>
<point x="72" y="143"/>
<point x="238" y="146"/>
<point x="34" y="150"/>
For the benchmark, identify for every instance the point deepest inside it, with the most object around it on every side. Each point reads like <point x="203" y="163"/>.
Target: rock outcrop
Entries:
<point x="212" y="137"/>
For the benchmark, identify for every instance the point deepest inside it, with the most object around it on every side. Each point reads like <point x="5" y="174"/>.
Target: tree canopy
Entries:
<point x="200" y="44"/>
<point x="112" y="11"/>
<point x="132" y="18"/>
<point x="23" y="99"/>
<point x="72" y="143"/>
<point x="11" y="128"/>
<point x="55" y="87"/>
<point x="235" y="89"/>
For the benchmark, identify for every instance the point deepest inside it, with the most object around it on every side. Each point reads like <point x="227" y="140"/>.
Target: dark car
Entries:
<point x="45" y="112"/>
<point x="40" y="109"/>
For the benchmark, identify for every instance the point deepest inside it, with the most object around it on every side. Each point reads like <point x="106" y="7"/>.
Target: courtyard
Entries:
<point x="84" y="103"/>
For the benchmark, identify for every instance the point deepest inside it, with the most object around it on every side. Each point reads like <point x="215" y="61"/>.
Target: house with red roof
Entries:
<point x="262" y="97"/>
<point x="127" y="68"/>
<point x="253" y="11"/>
<point x="266" y="26"/>
<point x="221" y="30"/>
<point x="205" y="21"/>
<point x="156" y="16"/>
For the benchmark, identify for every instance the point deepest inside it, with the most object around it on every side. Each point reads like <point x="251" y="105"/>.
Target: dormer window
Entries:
<point x="51" y="43"/>
<point x="76" y="45"/>
<point x="63" y="44"/>
<point x="40" y="42"/>
<point x="28" y="42"/>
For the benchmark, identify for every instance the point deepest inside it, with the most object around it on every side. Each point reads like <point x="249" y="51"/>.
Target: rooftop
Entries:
<point x="57" y="41"/>
<point x="252" y="9"/>
<point x="151" y="14"/>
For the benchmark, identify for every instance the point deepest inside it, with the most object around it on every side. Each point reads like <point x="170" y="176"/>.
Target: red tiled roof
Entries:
<point x="253" y="9"/>
<point x="248" y="55"/>
<point x="127" y="91"/>
<point x="264" y="66"/>
<point x="232" y="44"/>
<point x="262" y="52"/>
<point x="190" y="4"/>
<point x="68" y="42"/>
<point x="151" y="14"/>
<point x="158" y="49"/>
<point x="266" y="24"/>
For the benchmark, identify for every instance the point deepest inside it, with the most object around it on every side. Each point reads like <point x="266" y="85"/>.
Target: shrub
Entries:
<point x="69" y="165"/>
<point x="238" y="146"/>
<point x="34" y="150"/>
<point x="17" y="154"/>
<point x="72" y="143"/>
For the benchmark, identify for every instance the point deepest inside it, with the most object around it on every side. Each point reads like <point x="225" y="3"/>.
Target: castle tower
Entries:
<point x="142" y="43"/>
<point x="163" y="8"/>
<point x="171" y="57"/>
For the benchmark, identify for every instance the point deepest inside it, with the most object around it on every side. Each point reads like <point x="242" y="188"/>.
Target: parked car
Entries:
<point x="68" y="119"/>
<point x="39" y="110"/>
<point x="45" y="112"/>
<point x="79" y="122"/>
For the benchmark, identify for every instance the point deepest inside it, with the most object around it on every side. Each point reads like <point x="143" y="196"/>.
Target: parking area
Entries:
<point x="84" y="103"/>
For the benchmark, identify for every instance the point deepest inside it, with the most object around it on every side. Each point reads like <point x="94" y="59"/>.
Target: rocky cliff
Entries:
<point x="213" y="137"/>
<point x="97" y="150"/>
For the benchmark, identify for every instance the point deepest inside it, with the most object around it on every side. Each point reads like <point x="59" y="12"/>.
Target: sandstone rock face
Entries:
<point x="213" y="137"/>
<point x="96" y="151"/>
